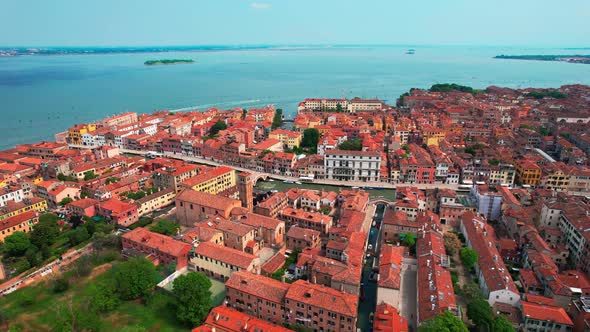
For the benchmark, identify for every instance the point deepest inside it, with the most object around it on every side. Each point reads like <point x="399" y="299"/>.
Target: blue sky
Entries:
<point x="206" y="22"/>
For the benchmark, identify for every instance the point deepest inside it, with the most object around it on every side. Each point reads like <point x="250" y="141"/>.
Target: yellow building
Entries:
<point x="12" y="209"/>
<point x="75" y="133"/>
<point x="557" y="177"/>
<point x="287" y="137"/>
<point x="527" y="172"/>
<point x="21" y="223"/>
<point x="432" y="135"/>
<point x="213" y="181"/>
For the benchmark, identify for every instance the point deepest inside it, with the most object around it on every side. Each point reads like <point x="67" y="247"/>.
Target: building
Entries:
<point x="13" y="208"/>
<point x="388" y="319"/>
<point x="488" y="202"/>
<point x="305" y="219"/>
<point x="75" y="133"/>
<point x="193" y="206"/>
<point x="212" y="181"/>
<point x="390" y="269"/>
<point x="299" y="238"/>
<point x="226" y="319"/>
<point x="172" y="177"/>
<point x="494" y="279"/>
<point x="527" y="172"/>
<point x="257" y="295"/>
<point x="545" y="318"/>
<point x="155" y="201"/>
<point x="220" y="262"/>
<point x="159" y="248"/>
<point x="289" y="138"/>
<point x="123" y="213"/>
<point x="22" y="222"/>
<point x="320" y="308"/>
<point x="83" y="207"/>
<point x="273" y="205"/>
<point x="360" y="166"/>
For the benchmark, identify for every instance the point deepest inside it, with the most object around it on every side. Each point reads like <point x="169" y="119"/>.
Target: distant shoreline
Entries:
<point x="583" y="59"/>
<point x="165" y="62"/>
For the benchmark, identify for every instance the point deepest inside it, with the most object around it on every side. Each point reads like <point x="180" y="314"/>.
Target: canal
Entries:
<point x="265" y="186"/>
<point x="368" y="298"/>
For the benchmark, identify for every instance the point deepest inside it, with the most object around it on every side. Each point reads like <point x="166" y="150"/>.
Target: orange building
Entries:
<point x="527" y="172"/>
<point x="159" y="248"/>
<point x="20" y="223"/>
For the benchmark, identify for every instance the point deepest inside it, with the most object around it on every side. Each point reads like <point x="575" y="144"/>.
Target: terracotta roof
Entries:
<point x="157" y="241"/>
<point x="234" y="227"/>
<point x="275" y="263"/>
<point x="116" y="206"/>
<point x="545" y="313"/>
<point x="226" y="319"/>
<point x="323" y="297"/>
<point x="258" y="285"/>
<point x="17" y="220"/>
<point x="257" y="220"/>
<point x="208" y="174"/>
<point x="225" y="254"/>
<point x="388" y="319"/>
<point x="390" y="266"/>
<point x="353" y="153"/>
<point x="84" y="203"/>
<point x="301" y="233"/>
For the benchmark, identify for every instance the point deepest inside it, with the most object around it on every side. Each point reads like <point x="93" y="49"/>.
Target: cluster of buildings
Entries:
<point x="518" y="166"/>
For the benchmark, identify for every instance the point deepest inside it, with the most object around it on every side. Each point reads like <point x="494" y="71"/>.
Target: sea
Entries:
<point x="41" y="95"/>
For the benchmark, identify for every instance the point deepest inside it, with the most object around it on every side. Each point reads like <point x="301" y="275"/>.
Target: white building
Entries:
<point x="488" y="203"/>
<point x="346" y="165"/>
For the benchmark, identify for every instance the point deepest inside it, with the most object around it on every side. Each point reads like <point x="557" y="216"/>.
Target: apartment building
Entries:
<point x="212" y="181"/>
<point x="22" y="222"/>
<point x="172" y="177"/>
<point x="360" y="166"/>
<point x="155" y="201"/>
<point x="193" y="206"/>
<point x="160" y="248"/>
<point x="221" y="262"/>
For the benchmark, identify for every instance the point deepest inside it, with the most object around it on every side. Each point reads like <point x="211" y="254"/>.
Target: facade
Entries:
<point x="545" y="318"/>
<point x="489" y="203"/>
<point x="226" y="319"/>
<point x="311" y="220"/>
<point x="220" y="262"/>
<point x="155" y="201"/>
<point x="299" y="238"/>
<point x="19" y="223"/>
<point x="172" y="177"/>
<point x="83" y="207"/>
<point x="212" y="181"/>
<point x="123" y="213"/>
<point x="361" y="166"/>
<point x="289" y="138"/>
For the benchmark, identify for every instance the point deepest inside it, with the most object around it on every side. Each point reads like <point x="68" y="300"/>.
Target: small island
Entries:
<point x="167" y="62"/>
<point x="585" y="59"/>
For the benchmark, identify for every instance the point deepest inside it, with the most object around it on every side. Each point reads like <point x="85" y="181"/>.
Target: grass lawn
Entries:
<point x="40" y="311"/>
<point x="217" y="292"/>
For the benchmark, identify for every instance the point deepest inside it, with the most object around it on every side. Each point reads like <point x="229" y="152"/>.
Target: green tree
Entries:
<point x="16" y="244"/>
<point x="501" y="324"/>
<point x="165" y="227"/>
<point x="103" y="297"/>
<point x="134" y="328"/>
<point x="90" y="175"/>
<point x="244" y="113"/>
<point x="217" y="127"/>
<point x="338" y="108"/>
<point x="78" y="236"/>
<point x="193" y="297"/>
<point x="468" y="257"/>
<point x="311" y="138"/>
<point x="471" y="292"/>
<point x="409" y="240"/>
<point x="65" y="200"/>
<point x="452" y="243"/>
<point x="480" y="312"/>
<point x="60" y="285"/>
<point x="446" y="322"/>
<point x="34" y="256"/>
<point x="277" y="120"/>
<point x="45" y="232"/>
<point x="352" y="145"/>
<point x="134" y="278"/>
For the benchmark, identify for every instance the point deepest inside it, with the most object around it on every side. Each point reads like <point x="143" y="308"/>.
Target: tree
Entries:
<point x="217" y="127"/>
<point x="471" y="292"/>
<point x="103" y="297"/>
<point x="65" y="201"/>
<point x="277" y="120"/>
<point x="352" y="145"/>
<point x="16" y="244"/>
<point x="468" y="257"/>
<point x="244" y="113"/>
<point x="45" y="232"/>
<point x="60" y="285"/>
<point x="134" y="278"/>
<point x="446" y="322"/>
<point x="409" y="240"/>
<point x="165" y="227"/>
<point x="311" y="138"/>
<point x="501" y="324"/>
<point x="78" y="236"/>
<point x="452" y="243"/>
<point x="194" y="297"/>
<point x="480" y="312"/>
<point x="90" y="175"/>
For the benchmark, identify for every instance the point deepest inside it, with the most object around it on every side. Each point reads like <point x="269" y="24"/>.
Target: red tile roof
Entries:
<point x="205" y="199"/>
<point x="157" y="241"/>
<point x="226" y="319"/>
<point x="84" y="203"/>
<point x="225" y="254"/>
<point x="545" y="313"/>
<point x="390" y="266"/>
<point x="323" y="297"/>
<point x="388" y="319"/>
<point x="17" y="220"/>
<point x="258" y="285"/>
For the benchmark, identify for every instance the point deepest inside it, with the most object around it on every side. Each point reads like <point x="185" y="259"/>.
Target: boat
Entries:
<point x="297" y="182"/>
<point x="288" y="182"/>
<point x="354" y="187"/>
<point x="271" y="180"/>
<point x="411" y="51"/>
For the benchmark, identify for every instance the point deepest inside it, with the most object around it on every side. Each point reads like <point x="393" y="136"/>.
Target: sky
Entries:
<point x="288" y="22"/>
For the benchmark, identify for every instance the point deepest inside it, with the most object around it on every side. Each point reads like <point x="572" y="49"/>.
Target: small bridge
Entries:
<point x="380" y="201"/>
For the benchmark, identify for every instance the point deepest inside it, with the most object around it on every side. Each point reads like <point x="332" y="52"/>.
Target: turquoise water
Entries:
<point x="42" y="95"/>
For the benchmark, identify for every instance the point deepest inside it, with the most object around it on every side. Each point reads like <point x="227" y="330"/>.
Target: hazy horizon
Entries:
<point x="134" y="23"/>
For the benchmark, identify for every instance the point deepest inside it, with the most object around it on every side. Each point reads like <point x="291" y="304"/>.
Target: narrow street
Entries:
<point x="368" y="298"/>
